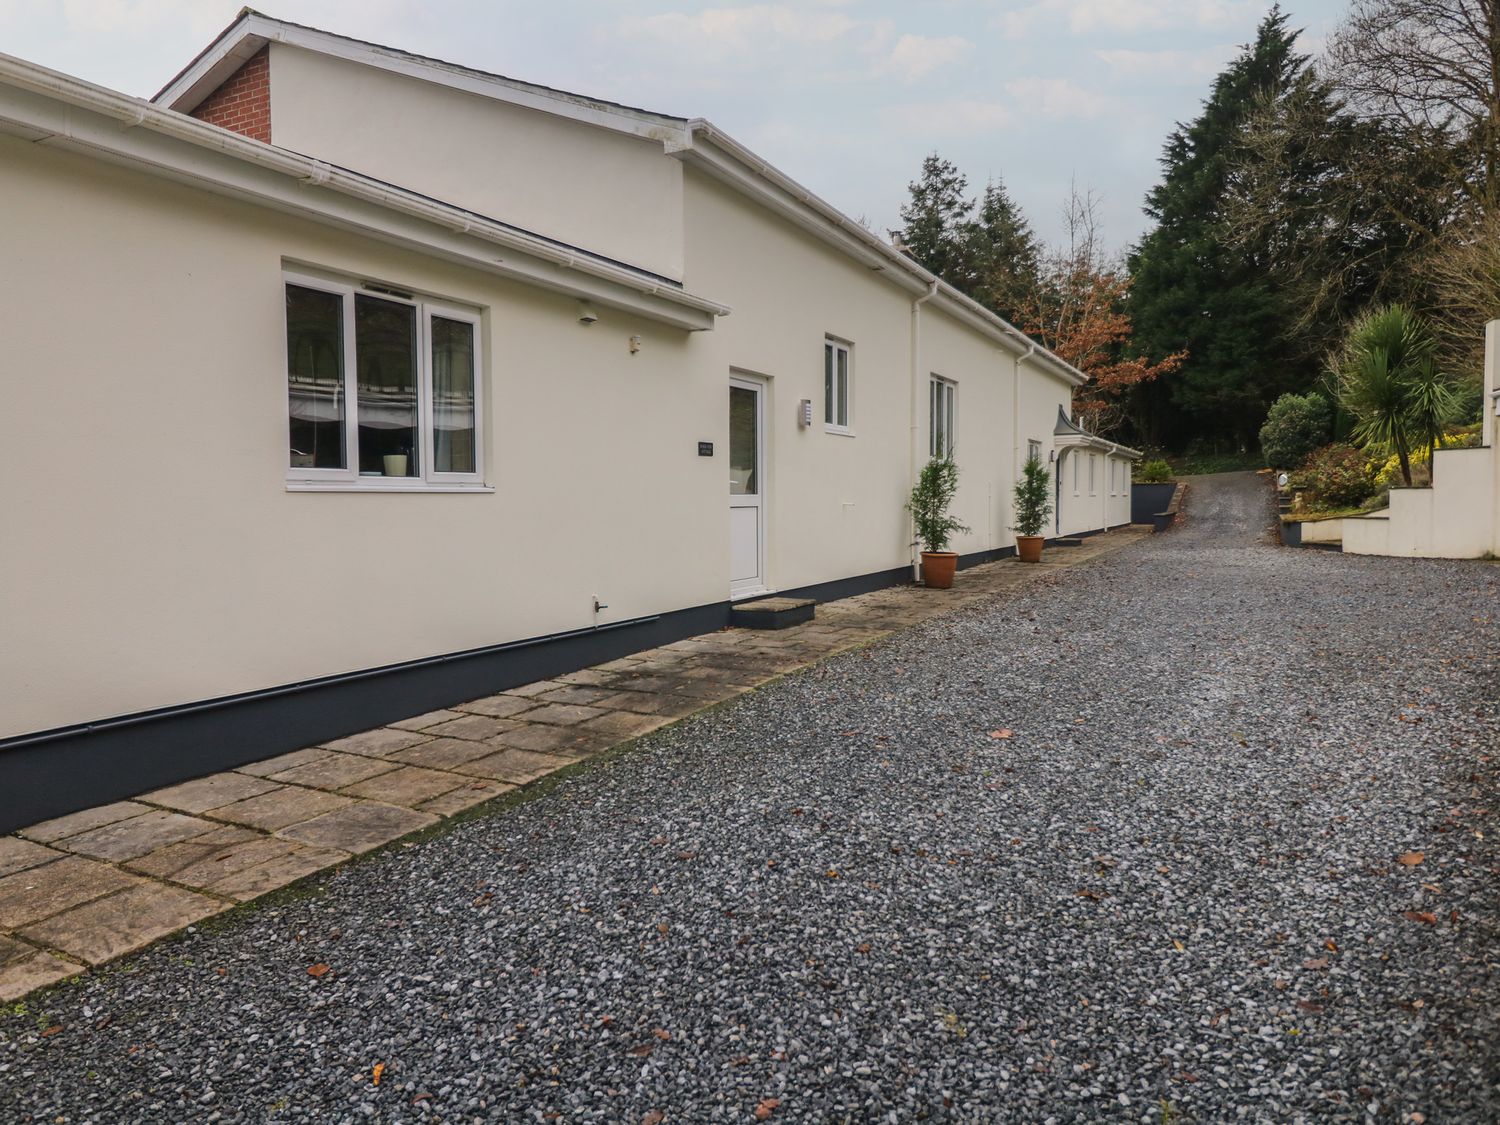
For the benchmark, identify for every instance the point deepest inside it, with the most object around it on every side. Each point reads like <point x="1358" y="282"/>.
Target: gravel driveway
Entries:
<point x="1174" y="892"/>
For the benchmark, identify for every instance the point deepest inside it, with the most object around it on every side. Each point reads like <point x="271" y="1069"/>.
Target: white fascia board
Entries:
<point x="1094" y="441"/>
<point x="254" y="30"/>
<point x="715" y="152"/>
<point x="63" y="112"/>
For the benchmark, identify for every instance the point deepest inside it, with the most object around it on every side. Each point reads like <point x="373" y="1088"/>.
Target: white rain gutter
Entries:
<point x="138" y="113"/>
<point x="753" y="176"/>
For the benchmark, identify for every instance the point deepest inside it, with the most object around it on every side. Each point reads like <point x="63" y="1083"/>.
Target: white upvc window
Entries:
<point x="384" y="390"/>
<point x="1093" y="457"/>
<point x="1075" y="459"/>
<point x="838" y="386"/>
<point x="940" y="417"/>
<point x="1033" y="450"/>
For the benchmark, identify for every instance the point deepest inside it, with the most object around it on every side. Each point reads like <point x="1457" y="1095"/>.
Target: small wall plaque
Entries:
<point x="705" y="449"/>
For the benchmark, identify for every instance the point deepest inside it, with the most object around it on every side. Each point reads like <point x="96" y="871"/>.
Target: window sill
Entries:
<point x="838" y="431"/>
<point x="379" y="485"/>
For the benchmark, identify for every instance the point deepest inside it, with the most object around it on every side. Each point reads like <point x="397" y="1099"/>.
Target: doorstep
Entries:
<point x="84" y="889"/>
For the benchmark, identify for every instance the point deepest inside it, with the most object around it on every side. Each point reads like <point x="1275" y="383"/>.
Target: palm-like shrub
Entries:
<point x="1388" y="380"/>
<point x="929" y="502"/>
<point x="1033" y="498"/>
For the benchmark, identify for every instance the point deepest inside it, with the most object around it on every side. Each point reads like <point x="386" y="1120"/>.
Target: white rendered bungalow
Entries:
<point x="350" y="384"/>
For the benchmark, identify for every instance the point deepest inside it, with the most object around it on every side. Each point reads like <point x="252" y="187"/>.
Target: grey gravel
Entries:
<point x="1173" y="894"/>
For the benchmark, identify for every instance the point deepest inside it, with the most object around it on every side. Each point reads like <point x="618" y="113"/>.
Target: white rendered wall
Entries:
<point x="151" y="554"/>
<point x="606" y="192"/>
<point x="1459" y="516"/>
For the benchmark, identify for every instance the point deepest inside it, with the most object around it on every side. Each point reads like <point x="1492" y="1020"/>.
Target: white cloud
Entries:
<point x="1056" y="98"/>
<point x="1178" y="68"/>
<point x="952" y="115"/>
<point x="727" y="32"/>
<point x="916" y="56"/>
<point x="1084" y="17"/>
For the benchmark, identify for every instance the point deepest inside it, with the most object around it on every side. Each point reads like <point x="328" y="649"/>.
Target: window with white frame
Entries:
<point x="1074" y="459"/>
<point x="1033" y="450"/>
<point x="838" y="379"/>
<point x="940" y="433"/>
<point x="383" y="388"/>
<point x="1092" y="458"/>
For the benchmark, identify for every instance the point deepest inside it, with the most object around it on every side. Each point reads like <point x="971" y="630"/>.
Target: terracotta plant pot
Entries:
<point x="938" y="568"/>
<point x="1029" y="547"/>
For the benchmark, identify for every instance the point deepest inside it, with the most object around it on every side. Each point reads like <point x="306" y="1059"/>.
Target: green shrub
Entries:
<point x="1033" y="499"/>
<point x="1153" y="472"/>
<point x="929" y="501"/>
<point x="1336" y="476"/>
<point x="1295" y="426"/>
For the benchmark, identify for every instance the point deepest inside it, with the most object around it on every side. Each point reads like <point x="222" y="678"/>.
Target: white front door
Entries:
<point x="747" y="488"/>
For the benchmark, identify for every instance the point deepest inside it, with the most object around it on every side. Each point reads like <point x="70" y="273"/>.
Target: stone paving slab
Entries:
<point x="281" y="808"/>
<point x="29" y="969"/>
<point x="74" y="823"/>
<point x="121" y="923"/>
<point x="17" y="854"/>
<point x="85" y="888"/>
<point x="359" y="828"/>
<point x="130" y="839"/>
<point x="210" y="792"/>
<point x="41" y="892"/>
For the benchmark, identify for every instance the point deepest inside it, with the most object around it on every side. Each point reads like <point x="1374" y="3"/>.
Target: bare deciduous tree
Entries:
<point x="1431" y="67"/>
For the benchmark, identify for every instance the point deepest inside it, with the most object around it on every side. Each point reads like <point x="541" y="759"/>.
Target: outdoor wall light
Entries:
<point x="804" y="412"/>
<point x="635" y="344"/>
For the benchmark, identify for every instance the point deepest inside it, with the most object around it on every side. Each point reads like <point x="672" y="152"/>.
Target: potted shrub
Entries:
<point x="1033" y="506"/>
<point x="928" y="505"/>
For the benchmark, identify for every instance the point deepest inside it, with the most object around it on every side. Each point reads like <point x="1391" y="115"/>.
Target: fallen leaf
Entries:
<point x="376" y="1073"/>
<point x="1177" y="945"/>
<point x="685" y="856"/>
<point x="655" y="1117"/>
<point x="317" y="970"/>
<point x="862" y="947"/>
<point x="1315" y="963"/>
<point x="1309" y="1005"/>
<point x="1411" y="859"/>
<point x="766" y="1107"/>
<point x="662" y="928"/>
<point x="1003" y="732"/>
<point x="830" y="874"/>
<point x="1331" y="945"/>
<point x="51" y="1031"/>
<point x="658" y="840"/>
<point x="1421" y="916"/>
<point x="663" y="1034"/>
<point x="642" y="1051"/>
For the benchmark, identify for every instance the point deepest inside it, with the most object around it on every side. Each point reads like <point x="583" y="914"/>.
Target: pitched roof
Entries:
<point x="61" y="111"/>
<point x="252" y="30"/>
<point x="696" y="142"/>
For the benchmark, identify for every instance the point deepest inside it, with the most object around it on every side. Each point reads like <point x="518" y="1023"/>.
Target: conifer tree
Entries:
<point x="1193" y="292"/>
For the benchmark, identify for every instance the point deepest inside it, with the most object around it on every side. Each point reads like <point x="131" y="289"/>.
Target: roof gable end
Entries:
<point x="252" y="30"/>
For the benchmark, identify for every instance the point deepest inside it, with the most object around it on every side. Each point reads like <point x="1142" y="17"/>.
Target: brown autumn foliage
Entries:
<point x="1078" y="311"/>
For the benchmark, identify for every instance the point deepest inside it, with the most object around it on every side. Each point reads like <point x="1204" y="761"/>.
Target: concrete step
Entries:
<point x="772" y="613"/>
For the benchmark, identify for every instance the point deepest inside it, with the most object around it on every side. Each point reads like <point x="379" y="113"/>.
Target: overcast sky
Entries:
<point x="846" y="96"/>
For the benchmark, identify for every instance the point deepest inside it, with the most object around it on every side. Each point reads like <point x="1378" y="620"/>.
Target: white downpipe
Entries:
<point x="916" y="399"/>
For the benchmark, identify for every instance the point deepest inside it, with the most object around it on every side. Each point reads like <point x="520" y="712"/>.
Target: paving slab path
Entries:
<point x="1204" y="830"/>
